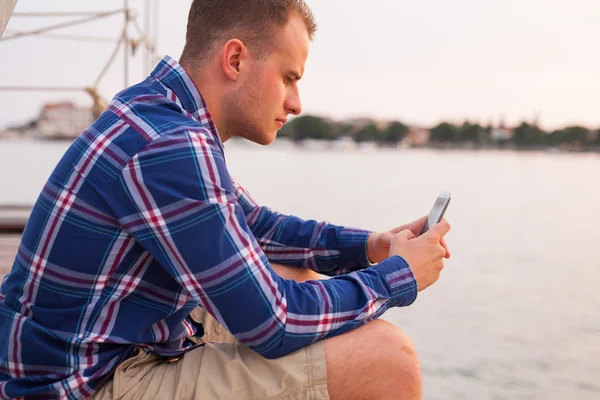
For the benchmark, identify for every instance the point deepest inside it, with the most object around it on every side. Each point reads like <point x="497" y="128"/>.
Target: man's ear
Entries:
<point x="234" y="58"/>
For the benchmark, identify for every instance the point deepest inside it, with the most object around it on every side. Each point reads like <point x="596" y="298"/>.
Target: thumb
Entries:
<point x="405" y="235"/>
<point x="439" y="230"/>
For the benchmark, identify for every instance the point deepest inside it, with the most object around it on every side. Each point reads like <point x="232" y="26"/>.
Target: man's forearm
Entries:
<point x="322" y="247"/>
<point x="289" y="240"/>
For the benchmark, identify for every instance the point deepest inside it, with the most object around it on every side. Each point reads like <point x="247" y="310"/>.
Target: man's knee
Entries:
<point x="401" y="358"/>
<point x="395" y="347"/>
<point x="392" y="335"/>
<point x="378" y="360"/>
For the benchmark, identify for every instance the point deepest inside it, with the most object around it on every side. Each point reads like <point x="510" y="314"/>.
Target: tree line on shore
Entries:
<point x="444" y="134"/>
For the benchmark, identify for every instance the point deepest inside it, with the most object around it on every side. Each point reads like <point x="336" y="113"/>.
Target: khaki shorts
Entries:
<point x="221" y="369"/>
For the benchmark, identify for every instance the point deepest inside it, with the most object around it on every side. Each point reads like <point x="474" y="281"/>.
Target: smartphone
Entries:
<point x="437" y="212"/>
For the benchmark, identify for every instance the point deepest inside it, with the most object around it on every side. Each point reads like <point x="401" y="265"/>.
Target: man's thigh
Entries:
<point x="223" y="368"/>
<point x="221" y="371"/>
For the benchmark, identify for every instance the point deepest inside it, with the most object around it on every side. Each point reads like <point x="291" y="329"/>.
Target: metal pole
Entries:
<point x="148" y="42"/>
<point x="126" y="46"/>
<point x="156" y="24"/>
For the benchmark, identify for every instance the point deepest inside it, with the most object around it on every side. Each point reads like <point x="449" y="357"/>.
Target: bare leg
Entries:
<point x="375" y="361"/>
<point x="297" y="274"/>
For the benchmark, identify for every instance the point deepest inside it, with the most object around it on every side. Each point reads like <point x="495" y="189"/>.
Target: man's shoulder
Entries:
<point x="140" y="117"/>
<point x="152" y="110"/>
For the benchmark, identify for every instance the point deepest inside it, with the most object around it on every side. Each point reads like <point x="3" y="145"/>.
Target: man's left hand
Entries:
<point x="378" y="244"/>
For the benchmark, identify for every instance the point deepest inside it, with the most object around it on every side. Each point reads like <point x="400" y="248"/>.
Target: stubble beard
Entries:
<point x="240" y="118"/>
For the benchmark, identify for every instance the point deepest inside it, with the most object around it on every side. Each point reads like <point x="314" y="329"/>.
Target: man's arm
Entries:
<point x="325" y="248"/>
<point x="177" y="200"/>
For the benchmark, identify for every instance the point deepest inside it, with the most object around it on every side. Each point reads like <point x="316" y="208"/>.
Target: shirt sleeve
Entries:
<point x="177" y="200"/>
<point x="325" y="248"/>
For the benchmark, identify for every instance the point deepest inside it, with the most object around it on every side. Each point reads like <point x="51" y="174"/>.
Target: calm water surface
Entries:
<point x="516" y="314"/>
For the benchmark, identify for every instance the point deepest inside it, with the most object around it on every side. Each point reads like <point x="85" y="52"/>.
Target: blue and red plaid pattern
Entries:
<point x="139" y="223"/>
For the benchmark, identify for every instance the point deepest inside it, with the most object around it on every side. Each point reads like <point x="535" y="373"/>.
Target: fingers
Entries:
<point x="441" y="251"/>
<point x="445" y="246"/>
<point x="405" y="234"/>
<point x="417" y="226"/>
<point x="440" y="265"/>
<point x="398" y="229"/>
<point x="419" y="222"/>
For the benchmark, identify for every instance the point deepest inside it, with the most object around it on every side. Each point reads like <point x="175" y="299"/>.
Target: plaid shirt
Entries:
<point x="139" y="223"/>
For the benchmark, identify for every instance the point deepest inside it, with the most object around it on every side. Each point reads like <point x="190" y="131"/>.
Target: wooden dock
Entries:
<point x="13" y="218"/>
<point x="8" y="248"/>
<point x="12" y="222"/>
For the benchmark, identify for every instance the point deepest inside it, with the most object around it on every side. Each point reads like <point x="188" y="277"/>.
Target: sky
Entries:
<point x="421" y="62"/>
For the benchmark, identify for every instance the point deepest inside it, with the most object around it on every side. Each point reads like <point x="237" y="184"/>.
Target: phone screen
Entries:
<point x="437" y="211"/>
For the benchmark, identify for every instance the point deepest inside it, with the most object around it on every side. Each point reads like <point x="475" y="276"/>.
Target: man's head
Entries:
<point x="246" y="57"/>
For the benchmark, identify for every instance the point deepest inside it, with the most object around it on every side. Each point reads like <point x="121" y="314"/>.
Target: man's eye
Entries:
<point x="287" y="80"/>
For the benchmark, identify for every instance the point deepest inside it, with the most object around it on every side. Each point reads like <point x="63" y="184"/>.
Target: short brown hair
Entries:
<point x="211" y="23"/>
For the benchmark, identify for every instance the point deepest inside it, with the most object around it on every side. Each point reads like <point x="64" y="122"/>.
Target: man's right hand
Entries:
<point x="424" y="254"/>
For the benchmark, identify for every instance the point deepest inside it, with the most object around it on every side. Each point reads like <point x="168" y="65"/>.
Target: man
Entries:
<point x="145" y="271"/>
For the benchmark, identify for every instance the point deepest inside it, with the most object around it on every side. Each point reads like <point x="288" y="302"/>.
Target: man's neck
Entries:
<point x="209" y="89"/>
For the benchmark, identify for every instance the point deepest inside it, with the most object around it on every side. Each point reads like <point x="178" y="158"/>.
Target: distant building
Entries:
<point x="11" y="133"/>
<point x="63" y="120"/>
<point x="501" y="134"/>
<point x="417" y="136"/>
<point x="27" y="131"/>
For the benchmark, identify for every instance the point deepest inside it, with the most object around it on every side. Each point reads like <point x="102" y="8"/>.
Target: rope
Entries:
<point x="42" y="88"/>
<point x="62" y="25"/>
<point x="112" y="57"/>
<point x="143" y="39"/>
<point x="99" y="103"/>
<point x="56" y="14"/>
<point x="69" y="37"/>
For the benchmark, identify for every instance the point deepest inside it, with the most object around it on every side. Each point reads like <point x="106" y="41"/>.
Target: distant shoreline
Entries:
<point x="336" y="144"/>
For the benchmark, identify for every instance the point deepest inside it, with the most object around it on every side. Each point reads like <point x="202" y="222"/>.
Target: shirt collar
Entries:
<point x="184" y="92"/>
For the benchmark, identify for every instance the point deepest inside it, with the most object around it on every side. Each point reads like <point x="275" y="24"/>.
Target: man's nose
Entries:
<point x="293" y="105"/>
